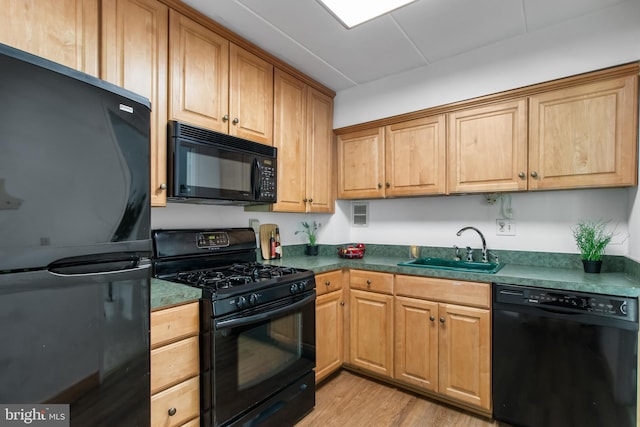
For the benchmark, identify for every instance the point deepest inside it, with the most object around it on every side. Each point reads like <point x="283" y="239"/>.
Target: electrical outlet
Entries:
<point x="505" y="227"/>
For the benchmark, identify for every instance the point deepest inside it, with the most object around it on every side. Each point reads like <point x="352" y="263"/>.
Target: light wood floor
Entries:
<point x="349" y="400"/>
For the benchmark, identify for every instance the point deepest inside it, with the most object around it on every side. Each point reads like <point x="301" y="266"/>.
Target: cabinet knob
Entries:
<point x="379" y="185"/>
<point x="172" y="411"/>
<point x="327" y="283"/>
<point x="305" y="200"/>
<point x="163" y="186"/>
<point x="432" y="318"/>
<point x="342" y="303"/>
<point x="442" y="320"/>
<point x="310" y="200"/>
<point x="521" y="175"/>
<point x="368" y="282"/>
<point x="534" y="174"/>
<point x="235" y="121"/>
<point x="225" y="118"/>
<point x="387" y="184"/>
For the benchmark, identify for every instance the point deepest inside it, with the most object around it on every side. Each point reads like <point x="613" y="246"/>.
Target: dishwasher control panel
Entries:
<point x="606" y="305"/>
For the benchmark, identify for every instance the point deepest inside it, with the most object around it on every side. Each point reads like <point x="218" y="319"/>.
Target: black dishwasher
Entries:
<point x="564" y="358"/>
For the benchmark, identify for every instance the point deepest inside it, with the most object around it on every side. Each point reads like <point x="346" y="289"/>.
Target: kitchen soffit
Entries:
<point x="305" y="35"/>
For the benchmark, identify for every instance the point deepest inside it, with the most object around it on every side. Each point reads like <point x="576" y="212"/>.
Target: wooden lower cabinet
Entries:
<point x="443" y="347"/>
<point x="329" y="324"/>
<point x="371" y="322"/>
<point x="175" y="366"/>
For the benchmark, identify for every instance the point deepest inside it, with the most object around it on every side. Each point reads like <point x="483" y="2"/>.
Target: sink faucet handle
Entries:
<point x="469" y="254"/>
<point x="457" y="255"/>
<point x="494" y="256"/>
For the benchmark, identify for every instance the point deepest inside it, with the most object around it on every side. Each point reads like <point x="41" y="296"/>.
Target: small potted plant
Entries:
<point x="311" y="230"/>
<point x="591" y="238"/>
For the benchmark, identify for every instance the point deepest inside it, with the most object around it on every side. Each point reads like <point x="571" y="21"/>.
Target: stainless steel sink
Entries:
<point x="450" y="264"/>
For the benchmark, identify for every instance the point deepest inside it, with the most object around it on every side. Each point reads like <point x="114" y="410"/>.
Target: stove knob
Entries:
<point x="303" y="285"/>
<point x="242" y="302"/>
<point x="294" y="288"/>
<point x="253" y="299"/>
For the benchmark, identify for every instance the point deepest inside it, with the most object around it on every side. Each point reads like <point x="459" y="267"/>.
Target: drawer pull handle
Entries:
<point x="172" y="411"/>
<point x="368" y="282"/>
<point x="327" y="283"/>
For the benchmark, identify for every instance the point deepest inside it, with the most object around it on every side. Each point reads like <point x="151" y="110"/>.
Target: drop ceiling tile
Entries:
<point x="364" y="53"/>
<point x="444" y="28"/>
<point x="542" y="13"/>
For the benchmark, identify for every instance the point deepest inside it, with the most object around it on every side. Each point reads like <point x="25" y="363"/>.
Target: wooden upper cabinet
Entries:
<point x="289" y="137"/>
<point x="135" y="37"/>
<point x="321" y="183"/>
<point x="488" y="148"/>
<point x="584" y="136"/>
<point x="361" y="164"/>
<point x="218" y="85"/>
<point x="251" y="96"/>
<point x="415" y="157"/>
<point x="198" y="74"/>
<point x="303" y="134"/>
<point x="63" y="31"/>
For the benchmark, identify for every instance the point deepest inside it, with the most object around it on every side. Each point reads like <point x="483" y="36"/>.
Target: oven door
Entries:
<point x="260" y="352"/>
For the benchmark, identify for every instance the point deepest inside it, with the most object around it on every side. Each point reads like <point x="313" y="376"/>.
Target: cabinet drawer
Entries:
<point x="172" y="324"/>
<point x="328" y="282"/>
<point x="184" y="398"/>
<point x="371" y="281"/>
<point x="445" y="290"/>
<point x="174" y="363"/>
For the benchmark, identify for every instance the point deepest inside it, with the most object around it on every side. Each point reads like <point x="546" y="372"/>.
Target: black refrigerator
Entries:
<point x="74" y="247"/>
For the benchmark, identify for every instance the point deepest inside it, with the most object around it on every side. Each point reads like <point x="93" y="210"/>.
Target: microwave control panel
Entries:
<point x="267" y="186"/>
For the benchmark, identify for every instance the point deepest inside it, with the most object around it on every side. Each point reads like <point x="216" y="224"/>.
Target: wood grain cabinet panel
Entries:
<point x="135" y="38"/>
<point x="415" y="162"/>
<point x="488" y="148"/>
<point x="361" y="164"/>
<point x="175" y="366"/>
<point x="63" y="31"/>
<point x="584" y="136"/>
<point x="216" y="84"/>
<point x="371" y="332"/>
<point x="304" y="138"/>
<point x="329" y="333"/>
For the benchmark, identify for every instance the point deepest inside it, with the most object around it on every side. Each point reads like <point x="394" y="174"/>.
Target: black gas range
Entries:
<point x="257" y="326"/>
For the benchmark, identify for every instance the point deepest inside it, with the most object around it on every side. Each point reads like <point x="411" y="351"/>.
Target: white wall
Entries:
<point x="543" y="219"/>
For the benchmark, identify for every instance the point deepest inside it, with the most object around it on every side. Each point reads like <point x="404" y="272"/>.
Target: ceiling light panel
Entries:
<point x="354" y="12"/>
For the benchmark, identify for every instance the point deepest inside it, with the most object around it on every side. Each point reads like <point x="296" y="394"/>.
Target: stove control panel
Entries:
<point x="212" y="240"/>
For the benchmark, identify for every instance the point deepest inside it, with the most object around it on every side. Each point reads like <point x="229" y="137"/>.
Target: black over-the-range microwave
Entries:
<point x="211" y="167"/>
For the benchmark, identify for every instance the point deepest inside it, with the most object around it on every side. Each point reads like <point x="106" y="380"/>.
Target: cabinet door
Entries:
<point x="289" y="137"/>
<point x="198" y="74"/>
<point x="63" y="31"/>
<point x="361" y="164"/>
<point x="488" y="148"/>
<point x="415" y="157"/>
<point x="320" y="153"/>
<point x="416" y="337"/>
<point x="371" y="331"/>
<point x="251" y="96"/>
<point x="135" y="37"/>
<point x="465" y="354"/>
<point x="329" y="330"/>
<point x="584" y="136"/>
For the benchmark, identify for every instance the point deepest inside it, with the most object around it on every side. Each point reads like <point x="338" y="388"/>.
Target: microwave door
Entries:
<point x="207" y="172"/>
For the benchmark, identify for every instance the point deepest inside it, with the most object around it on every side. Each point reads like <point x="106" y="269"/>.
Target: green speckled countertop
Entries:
<point x="559" y="271"/>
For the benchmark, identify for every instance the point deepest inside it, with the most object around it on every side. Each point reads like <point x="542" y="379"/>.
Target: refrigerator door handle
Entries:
<point x="104" y="264"/>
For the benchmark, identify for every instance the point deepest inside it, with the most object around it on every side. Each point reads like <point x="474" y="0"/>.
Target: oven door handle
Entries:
<point x="243" y="321"/>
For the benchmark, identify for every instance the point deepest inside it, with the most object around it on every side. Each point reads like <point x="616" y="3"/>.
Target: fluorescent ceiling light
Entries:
<point x="355" y="12"/>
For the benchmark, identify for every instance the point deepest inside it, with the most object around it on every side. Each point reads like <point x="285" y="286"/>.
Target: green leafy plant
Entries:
<point x="311" y="230"/>
<point x="592" y="237"/>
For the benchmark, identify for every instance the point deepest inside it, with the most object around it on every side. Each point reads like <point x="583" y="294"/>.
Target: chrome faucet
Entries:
<point x="485" y="257"/>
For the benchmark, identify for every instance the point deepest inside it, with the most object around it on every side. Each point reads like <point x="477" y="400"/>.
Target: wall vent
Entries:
<point x="360" y="214"/>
